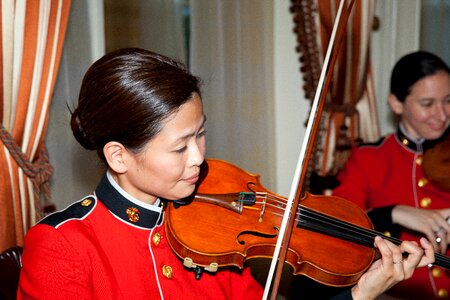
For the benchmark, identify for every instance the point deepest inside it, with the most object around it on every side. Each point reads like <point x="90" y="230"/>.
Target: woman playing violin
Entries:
<point x="387" y="180"/>
<point x="143" y="114"/>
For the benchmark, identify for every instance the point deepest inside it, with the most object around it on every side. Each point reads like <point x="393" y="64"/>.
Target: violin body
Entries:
<point x="214" y="235"/>
<point x="436" y="162"/>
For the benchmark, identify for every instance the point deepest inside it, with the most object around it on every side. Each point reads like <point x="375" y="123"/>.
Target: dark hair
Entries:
<point x="413" y="67"/>
<point x="125" y="96"/>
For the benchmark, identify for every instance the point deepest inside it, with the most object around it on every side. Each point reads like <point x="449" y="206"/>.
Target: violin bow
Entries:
<point x="312" y="127"/>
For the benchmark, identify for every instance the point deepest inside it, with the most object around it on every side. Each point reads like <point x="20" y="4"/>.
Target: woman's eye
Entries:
<point x="426" y="103"/>
<point x="181" y="150"/>
<point x="201" y="133"/>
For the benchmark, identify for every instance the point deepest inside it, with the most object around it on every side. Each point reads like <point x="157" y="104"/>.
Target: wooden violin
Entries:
<point x="232" y="218"/>
<point x="436" y="162"/>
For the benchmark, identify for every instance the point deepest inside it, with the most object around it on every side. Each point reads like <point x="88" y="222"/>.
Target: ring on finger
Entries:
<point x="441" y="229"/>
<point x="436" y="234"/>
<point x="397" y="262"/>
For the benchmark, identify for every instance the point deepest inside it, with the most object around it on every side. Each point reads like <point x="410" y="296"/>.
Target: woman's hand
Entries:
<point x="397" y="263"/>
<point x="432" y="223"/>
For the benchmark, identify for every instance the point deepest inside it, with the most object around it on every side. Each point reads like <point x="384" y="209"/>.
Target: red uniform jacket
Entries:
<point x="381" y="175"/>
<point x="110" y="246"/>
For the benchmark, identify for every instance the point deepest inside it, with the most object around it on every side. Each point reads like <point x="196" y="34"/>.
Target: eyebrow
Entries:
<point x="187" y="136"/>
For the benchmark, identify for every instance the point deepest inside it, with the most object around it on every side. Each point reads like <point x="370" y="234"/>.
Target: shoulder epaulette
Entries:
<point x="372" y="144"/>
<point x="77" y="210"/>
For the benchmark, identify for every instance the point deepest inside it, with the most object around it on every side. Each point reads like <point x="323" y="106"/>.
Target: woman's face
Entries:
<point x="425" y="113"/>
<point x="169" y="165"/>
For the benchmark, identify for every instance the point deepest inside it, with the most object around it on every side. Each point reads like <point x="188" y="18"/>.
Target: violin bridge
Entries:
<point x="263" y="207"/>
<point x="248" y="199"/>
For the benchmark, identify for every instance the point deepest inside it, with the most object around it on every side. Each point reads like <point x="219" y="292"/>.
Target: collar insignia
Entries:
<point x="133" y="214"/>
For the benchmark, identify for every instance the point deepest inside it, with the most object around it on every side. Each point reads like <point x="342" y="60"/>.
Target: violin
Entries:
<point x="232" y="218"/>
<point x="436" y="162"/>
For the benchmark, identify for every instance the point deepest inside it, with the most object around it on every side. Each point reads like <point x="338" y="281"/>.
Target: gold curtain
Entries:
<point x="32" y="35"/>
<point x="350" y="113"/>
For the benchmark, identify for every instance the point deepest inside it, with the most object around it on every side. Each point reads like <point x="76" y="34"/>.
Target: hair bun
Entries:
<point x="79" y="133"/>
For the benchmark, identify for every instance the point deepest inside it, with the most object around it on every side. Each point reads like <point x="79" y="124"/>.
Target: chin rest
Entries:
<point x="10" y="265"/>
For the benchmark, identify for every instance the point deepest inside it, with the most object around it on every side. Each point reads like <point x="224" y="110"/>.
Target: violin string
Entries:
<point x="329" y="221"/>
<point x="356" y="233"/>
<point x="441" y="259"/>
<point x="314" y="216"/>
<point x="307" y="214"/>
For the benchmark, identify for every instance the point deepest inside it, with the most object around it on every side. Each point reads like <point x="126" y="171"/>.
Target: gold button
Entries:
<point x="422" y="182"/>
<point x="405" y="142"/>
<point x="387" y="233"/>
<point x="419" y="160"/>
<point x="156" y="239"/>
<point x="442" y="293"/>
<point x="425" y="202"/>
<point x="436" y="272"/>
<point x="86" y="202"/>
<point x="167" y="271"/>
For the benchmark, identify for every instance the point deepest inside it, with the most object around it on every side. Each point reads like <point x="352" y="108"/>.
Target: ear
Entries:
<point x="115" y="154"/>
<point x="395" y="104"/>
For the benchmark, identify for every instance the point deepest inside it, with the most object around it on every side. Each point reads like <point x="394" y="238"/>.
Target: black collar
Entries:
<point x="125" y="209"/>
<point x="408" y="142"/>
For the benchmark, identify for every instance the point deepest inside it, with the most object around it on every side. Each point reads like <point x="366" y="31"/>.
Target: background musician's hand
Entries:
<point x="393" y="267"/>
<point x="432" y="223"/>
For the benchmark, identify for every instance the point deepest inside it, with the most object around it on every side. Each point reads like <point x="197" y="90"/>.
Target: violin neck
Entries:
<point x="319" y="222"/>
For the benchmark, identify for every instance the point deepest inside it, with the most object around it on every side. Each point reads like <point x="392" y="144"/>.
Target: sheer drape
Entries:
<point x="232" y="51"/>
<point x="350" y="114"/>
<point x="32" y="34"/>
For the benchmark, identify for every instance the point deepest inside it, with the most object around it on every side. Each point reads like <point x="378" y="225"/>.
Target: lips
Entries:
<point x="438" y="126"/>
<point x="192" y="179"/>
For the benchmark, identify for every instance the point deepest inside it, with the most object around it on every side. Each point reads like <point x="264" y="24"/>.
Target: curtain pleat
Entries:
<point x="351" y="97"/>
<point x="32" y="35"/>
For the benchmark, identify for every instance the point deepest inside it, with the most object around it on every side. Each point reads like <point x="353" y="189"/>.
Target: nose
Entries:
<point x="197" y="154"/>
<point x="443" y="112"/>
